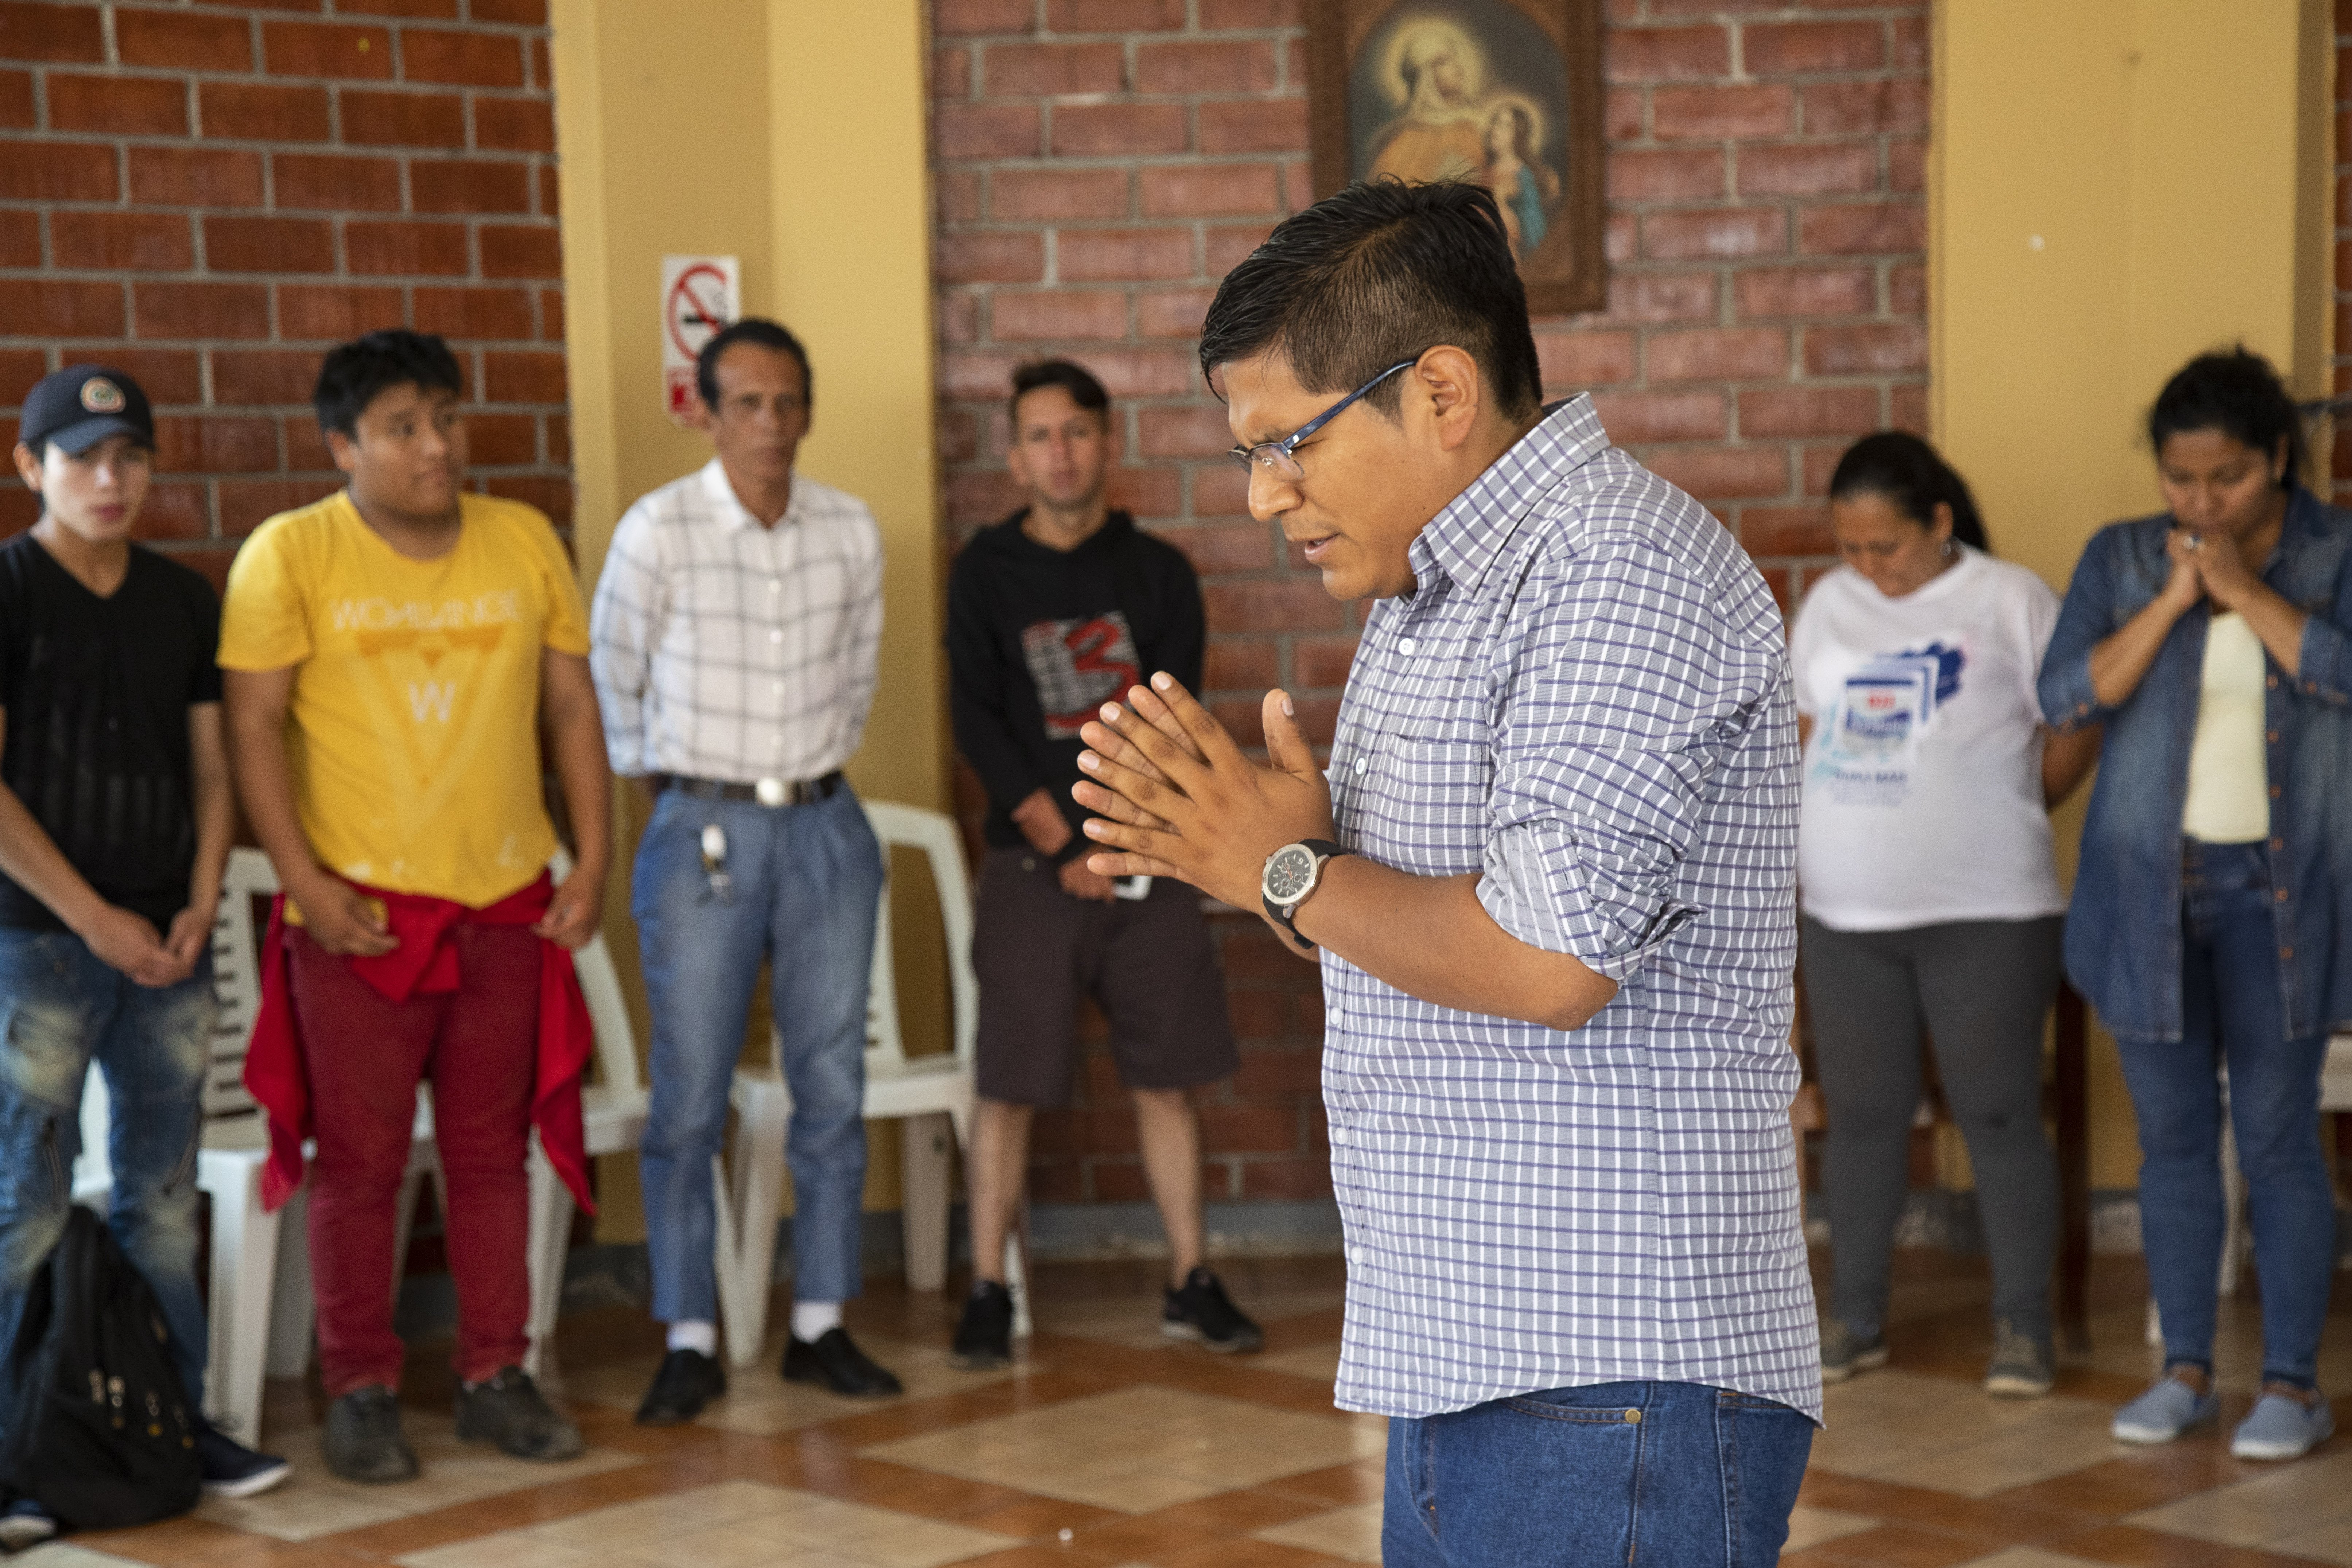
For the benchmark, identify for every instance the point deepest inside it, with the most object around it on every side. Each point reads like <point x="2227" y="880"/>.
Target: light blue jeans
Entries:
<point x="2233" y="1013"/>
<point x="799" y="889"/>
<point x="1672" y="1473"/>
<point x="61" y="1007"/>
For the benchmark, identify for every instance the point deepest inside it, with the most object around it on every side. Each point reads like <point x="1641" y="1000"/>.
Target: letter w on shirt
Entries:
<point x="431" y="700"/>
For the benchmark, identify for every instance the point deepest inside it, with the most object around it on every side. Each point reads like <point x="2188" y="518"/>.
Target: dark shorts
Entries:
<point x="1145" y="962"/>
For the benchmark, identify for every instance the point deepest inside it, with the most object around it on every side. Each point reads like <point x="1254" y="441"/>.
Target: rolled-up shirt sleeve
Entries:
<point x="1625" y="693"/>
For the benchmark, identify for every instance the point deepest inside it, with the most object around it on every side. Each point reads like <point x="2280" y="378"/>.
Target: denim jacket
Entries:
<point x="2122" y="935"/>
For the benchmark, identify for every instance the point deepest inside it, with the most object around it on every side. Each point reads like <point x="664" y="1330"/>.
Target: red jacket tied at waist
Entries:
<point x="423" y="964"/>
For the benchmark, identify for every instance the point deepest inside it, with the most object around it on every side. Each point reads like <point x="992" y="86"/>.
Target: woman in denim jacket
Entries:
<point x="2213" y="916"/>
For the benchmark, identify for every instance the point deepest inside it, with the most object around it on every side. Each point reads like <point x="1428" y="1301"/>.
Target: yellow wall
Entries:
<point x="2117" y="186"/>
<point x="724" y="127"/>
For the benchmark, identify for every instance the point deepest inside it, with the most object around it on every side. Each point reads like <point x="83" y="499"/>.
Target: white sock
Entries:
<point x="813" y="1320"/>
<point x="694" y="1335"/>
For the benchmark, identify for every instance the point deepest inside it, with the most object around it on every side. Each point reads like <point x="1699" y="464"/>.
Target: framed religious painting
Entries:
<point x="1505" y="92"/>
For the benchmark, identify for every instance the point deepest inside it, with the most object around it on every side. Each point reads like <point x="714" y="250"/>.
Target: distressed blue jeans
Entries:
<point x="799" y="889"/>
<point x="60" y="1008"/>
<point x="1671" y="1473"/>
<point x="2233" y="1013"/>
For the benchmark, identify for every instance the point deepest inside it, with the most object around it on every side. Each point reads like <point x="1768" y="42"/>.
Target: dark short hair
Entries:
<point x="2238" y="392"/>
<point x="356" y="373"/>
<point x="1912" y="477"/>
<point x="1075" y="379"/>
<point x="755" y="330"/>
<point x="1380" y="274"/>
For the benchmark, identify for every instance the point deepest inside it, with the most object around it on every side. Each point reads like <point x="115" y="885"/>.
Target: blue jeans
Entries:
<point x="61" y="1007"/>
<point x="1608" y="1474"/>
<point x="2232" y="1013"/>
<point x="801" y="884"/>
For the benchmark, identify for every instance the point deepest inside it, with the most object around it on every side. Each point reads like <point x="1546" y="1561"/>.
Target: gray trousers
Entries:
<point x="1981" y="987"/>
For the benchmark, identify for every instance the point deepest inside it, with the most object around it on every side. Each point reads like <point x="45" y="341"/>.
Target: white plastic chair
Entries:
<point x="932" y="1095"/>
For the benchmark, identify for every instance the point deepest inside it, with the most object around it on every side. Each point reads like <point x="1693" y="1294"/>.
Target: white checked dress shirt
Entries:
<point x="725" y="650"/>
<point x="1585" y="701"/>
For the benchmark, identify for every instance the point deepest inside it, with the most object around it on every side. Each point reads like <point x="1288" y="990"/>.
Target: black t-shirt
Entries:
<point x="1040" y="638"/>
<point x="97" y="693"/>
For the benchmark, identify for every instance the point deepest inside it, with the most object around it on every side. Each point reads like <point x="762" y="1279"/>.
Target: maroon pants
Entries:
<point x="364" y="1057"/>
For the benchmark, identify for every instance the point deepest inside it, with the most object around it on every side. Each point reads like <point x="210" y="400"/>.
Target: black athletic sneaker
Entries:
<point x="362" y="1441"/>
<point x="233" y="1470"/>
<point x="509" y="1411"/>
<point x="983" y="1341"/>
<point x="688" y="1381"/>
<point x="1201" y="1311"/>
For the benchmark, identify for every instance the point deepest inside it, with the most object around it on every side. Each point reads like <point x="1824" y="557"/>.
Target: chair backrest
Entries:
<point x="608" y="1012"/>
<point x="236" y="981"/>
<point x="934" y="833"/>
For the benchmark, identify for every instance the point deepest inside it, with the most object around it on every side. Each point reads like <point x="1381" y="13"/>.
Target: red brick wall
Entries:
<point x="1101" y="163"/>
<point x="210" y="195"/>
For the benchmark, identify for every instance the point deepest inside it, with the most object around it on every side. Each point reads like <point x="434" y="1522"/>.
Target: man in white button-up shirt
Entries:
<point x="735" y="632"/>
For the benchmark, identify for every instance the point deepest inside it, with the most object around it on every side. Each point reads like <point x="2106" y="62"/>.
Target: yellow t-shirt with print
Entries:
<point x="412" y="729"/>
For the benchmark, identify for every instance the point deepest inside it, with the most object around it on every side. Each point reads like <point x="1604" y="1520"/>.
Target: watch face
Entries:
<point x="1289" y="874"/>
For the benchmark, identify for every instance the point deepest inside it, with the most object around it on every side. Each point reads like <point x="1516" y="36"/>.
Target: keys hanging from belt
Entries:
<point x="714" y="864"/>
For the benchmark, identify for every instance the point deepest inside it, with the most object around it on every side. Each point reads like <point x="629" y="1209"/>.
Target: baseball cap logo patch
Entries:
<point x="101" y="396"/>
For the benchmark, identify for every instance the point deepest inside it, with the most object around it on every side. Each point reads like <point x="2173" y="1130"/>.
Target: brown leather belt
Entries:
<point x="767" y="791"/>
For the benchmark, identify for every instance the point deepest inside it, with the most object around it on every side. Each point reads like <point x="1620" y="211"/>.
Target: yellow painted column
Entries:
<point x="796" y="140"/>
<point x="2117" y="186"/>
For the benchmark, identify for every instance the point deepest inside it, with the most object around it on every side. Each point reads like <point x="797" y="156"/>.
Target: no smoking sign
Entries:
<point x="699" y="295"/>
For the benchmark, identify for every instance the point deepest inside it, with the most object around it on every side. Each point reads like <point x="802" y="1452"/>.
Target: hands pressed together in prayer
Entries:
<point x="1179" y="799"/>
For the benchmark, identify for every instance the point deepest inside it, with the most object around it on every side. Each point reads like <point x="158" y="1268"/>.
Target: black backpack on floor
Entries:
<point x="102" y="1435"/>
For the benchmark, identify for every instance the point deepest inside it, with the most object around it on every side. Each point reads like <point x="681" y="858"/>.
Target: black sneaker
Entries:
<point x="233" y="1470"/>
<point x="983" y="1341"/>
<point x="1201" y="1311"/>
<point x="362" y="1441"/>
<point x="509" y="1411"/>
<point x="688" y="1381"/>
<point x="24" y="1523"/>
<point x="834" y="1362"/>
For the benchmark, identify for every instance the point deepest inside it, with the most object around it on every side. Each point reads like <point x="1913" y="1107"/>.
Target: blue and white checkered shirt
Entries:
<point x="1585" y="701"/>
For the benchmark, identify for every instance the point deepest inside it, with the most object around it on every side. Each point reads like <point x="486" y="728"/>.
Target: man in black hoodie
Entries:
<point x="1053" y="612"/>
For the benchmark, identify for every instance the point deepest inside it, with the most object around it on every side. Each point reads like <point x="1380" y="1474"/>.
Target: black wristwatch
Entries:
<point x="1291" y="873"/>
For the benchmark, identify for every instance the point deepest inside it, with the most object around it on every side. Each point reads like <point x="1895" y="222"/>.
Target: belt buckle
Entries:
<point x="773" y="792"/>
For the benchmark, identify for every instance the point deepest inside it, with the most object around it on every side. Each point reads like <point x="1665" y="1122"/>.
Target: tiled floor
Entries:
<point x="1108" y="1447"/>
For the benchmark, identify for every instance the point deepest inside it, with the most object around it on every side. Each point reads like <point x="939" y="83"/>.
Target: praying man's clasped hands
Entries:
<point x="1177" y="797"/>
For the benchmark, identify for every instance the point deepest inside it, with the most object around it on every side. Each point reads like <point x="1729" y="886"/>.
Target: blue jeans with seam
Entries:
<point x="801" y="886"/>
<point x="60" y="1008"/>
<point x="2233" y="1013"/>
<point x="1609" y="1474"/>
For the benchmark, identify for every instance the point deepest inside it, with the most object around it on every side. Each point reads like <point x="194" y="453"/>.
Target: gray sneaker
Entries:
<point x="362" y="1441"/>
<point x="508" y="1410"/>
<point x="2021" y="1367"/>
<point x="1846" y="1352"/>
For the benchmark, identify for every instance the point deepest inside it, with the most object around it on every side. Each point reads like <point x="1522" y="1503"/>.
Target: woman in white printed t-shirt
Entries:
<point x="1929" y="891"/>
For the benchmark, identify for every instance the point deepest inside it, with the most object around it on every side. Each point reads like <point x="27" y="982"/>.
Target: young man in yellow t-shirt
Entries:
<point x="389" y="655"/>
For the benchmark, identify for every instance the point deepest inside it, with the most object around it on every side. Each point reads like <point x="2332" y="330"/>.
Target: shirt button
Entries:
<point x="775" y="636"/>
<point x="2282" y="895"/>
<point x="2273" y="736"/>
<point x="1409" y="645"/>
<point x="2278" y="844"/>
<point x="2274" y="792"/>
<point x="1338" y="1135"/>
<point x="1334" y="1015"/>
<point x="2272" y="683"/>
<point x="1361" y="764"/>
<point x="775" y="586"/>
<point x="2286" y="953"/>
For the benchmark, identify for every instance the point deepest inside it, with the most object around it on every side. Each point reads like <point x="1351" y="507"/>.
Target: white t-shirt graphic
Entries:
<point x="1922" y="780"/>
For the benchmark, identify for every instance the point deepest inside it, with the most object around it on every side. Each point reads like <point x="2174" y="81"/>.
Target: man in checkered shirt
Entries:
<point x="735" y="632"/>
<point x="1551" y="873"/>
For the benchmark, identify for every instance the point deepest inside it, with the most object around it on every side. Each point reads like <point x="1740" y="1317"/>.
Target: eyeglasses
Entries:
<point x="1280" y="458"/>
